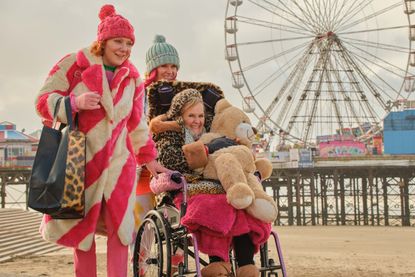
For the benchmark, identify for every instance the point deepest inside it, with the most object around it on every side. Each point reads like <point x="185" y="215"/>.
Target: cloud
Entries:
<point x="37" y="33"/>
<point x="40" y="32"/>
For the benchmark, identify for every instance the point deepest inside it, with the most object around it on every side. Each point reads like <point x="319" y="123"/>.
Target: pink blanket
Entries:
<point x="214" y="223"/>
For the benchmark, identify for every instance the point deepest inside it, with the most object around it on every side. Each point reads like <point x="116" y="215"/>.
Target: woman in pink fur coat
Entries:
<point x="107" y="92"/>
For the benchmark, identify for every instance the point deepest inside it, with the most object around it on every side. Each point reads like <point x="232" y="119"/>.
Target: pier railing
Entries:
<point x="378" y="192"/>
<point x="346" y="191"/>
<point x="14" y="184"/>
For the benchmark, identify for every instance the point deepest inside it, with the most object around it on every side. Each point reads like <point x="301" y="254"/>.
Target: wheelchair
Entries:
<point x="161" y="234"/>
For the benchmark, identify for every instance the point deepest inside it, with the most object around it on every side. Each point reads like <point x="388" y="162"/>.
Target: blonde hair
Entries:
<point x="182" y="101"/>
<point x="191" y="103"/>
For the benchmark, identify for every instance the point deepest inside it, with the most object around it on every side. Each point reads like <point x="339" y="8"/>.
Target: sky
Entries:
<point x="35" y="34"/>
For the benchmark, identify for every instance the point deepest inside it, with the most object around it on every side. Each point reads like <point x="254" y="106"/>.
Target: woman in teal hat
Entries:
<point x="163" y="63"/>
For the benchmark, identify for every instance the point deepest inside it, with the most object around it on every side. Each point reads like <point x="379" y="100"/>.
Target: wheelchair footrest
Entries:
<point x="270" y="268"/>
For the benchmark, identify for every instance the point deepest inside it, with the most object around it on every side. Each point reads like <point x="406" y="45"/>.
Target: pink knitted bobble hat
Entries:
<point x="113" y="25"/>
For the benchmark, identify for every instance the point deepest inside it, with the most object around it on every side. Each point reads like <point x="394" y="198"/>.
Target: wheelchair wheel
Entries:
<point x="152" y="250"/>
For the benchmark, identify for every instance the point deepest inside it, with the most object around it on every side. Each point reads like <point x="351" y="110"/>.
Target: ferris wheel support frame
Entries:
<point x="265" y="123"/>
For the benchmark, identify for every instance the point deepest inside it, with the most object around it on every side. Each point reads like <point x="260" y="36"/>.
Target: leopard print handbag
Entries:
<point x="73" y="199"/>
<point x="57" y="182"/>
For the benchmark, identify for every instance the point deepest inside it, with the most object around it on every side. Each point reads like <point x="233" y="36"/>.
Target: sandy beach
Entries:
<point x="308" y="251"/>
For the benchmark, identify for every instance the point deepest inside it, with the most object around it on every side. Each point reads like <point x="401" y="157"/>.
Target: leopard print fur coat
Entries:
<point x="169" y="144"/>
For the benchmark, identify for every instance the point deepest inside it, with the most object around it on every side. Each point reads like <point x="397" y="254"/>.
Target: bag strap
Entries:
<point x="55" y="116"/>
<point x="68" y="110"/>
<point x="76" y="121"/>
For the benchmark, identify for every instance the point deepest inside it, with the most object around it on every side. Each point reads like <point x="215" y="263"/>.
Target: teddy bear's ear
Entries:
<point x="222" y="105"/>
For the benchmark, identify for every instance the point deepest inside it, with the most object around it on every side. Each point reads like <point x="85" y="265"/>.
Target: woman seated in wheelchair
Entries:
<point x="216" y="224"/>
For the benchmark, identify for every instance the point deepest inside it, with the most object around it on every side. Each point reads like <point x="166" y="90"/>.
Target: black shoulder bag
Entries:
<point x="57" y="182"/>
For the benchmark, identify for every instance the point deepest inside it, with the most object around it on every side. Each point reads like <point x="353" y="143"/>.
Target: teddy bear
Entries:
<point x="234" y="166"/>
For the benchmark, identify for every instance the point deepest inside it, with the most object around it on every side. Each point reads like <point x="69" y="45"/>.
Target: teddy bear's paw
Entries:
<point x="264" y="210"/>
<point x="241" y="203"/>
<point x="240" y="196"/>
<point x="264" y="167"/>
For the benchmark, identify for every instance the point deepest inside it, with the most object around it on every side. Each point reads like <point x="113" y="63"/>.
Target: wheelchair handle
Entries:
<point x="176" y="177"/>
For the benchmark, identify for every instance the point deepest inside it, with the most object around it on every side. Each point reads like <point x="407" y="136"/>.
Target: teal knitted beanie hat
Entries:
<point x="161" y="53"/>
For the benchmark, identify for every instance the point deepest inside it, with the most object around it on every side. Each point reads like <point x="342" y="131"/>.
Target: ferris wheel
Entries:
<point x="311" y="68"/>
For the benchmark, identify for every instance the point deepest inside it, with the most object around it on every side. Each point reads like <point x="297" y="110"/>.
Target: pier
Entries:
<point x="366" y="190"/>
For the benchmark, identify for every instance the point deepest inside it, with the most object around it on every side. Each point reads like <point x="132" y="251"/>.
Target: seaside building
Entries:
<point x="399" y="132"/>
<point x="17" y="149"/>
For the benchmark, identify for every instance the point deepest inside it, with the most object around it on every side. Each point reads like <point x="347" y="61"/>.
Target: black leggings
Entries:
<point x="244" y="251"/>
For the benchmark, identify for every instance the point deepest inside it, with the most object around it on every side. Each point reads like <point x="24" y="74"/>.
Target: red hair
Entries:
<point x="97" y="48"/>
<point x="150" y="78"/>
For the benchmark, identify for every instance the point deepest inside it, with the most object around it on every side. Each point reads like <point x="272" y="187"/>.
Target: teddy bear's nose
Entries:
<point x="254" y="130"/>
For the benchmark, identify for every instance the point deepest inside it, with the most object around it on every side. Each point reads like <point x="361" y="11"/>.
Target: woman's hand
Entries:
<point x="154" y="167"/>
<point x="88" y="101"/>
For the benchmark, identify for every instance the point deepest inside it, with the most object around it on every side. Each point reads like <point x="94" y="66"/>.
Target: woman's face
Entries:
<point x="166" y="72"/>
<point x="194" y="118"/>
<point x="117" y="51"/>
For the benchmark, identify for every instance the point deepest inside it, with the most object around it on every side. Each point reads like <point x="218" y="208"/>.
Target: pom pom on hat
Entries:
<point x="159" y="39"/>
<point x="113" y="25"/>
<point x="106" y="10"/>
<point x="161" y="53"/>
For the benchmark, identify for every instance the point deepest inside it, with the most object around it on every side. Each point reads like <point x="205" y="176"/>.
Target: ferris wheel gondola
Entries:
<point x="315" y="68"/>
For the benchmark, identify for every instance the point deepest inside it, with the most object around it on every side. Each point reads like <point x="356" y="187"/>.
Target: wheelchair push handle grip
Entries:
<point x="176" y="177"/>
<point x="167" y="181"/>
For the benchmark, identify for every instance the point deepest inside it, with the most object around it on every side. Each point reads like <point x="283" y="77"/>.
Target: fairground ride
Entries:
<point x="310" y="68"/>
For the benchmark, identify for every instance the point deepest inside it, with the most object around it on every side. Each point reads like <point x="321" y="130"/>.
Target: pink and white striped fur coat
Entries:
<point x="117" y="140"/>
